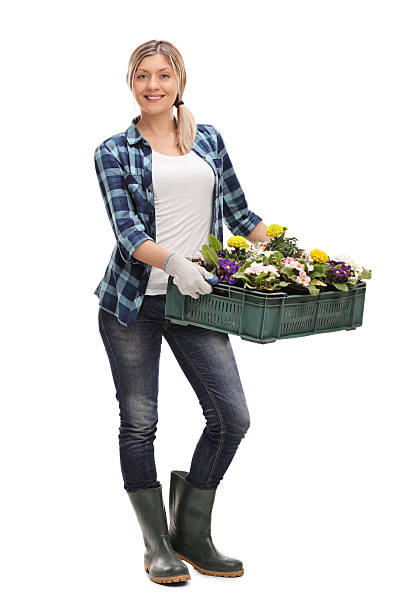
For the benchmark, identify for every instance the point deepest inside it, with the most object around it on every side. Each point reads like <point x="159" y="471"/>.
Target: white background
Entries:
<point x="311" y="98"/>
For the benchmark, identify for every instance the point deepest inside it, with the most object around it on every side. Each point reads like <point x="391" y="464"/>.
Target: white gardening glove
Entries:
<point x="189" y="277"/>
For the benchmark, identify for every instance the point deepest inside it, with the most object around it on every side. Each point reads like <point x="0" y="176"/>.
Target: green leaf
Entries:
<point x="240" y="274"/>
<point x="258" y="279"/>
<point x="341" y="286"/>
<point x="214" y="242"/>
<point x="316" y="281"/>
<point x="209" y="255"/>
<point x="364" y="274"/>
<point x="313" y="290"/>
<point x="318" y="270"/>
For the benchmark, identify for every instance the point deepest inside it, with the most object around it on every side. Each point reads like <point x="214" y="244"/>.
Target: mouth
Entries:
<point x="154" y="98"/>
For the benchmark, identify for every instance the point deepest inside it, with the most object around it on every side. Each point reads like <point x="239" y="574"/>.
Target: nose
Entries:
<point x="154" y="84"/>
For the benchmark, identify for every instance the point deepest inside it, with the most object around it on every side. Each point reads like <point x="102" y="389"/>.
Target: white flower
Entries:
<point x="272" y="270"/>
<point x="254" y="268"/>
<point x="258" y="268"/>
<point x="254" y="252"/>
<point x="349" y="261"/>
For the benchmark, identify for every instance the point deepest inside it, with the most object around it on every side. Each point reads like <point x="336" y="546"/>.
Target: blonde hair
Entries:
<point x="186" y="128"/>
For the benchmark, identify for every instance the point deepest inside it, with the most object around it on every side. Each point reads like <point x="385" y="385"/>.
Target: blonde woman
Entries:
<point x="168" y="183"/>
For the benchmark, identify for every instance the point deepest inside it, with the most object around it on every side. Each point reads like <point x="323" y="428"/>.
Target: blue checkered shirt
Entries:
<point x="123" y="165"/>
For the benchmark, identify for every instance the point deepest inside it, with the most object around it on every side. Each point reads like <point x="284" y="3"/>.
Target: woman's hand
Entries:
<point x="189" y="277"/>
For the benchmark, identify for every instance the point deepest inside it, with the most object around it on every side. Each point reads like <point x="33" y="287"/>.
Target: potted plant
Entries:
<point x="278" y="264"/>
<point x="272" y="290"/>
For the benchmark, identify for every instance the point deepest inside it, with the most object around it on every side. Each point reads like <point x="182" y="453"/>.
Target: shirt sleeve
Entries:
<point x="237" y="216"/>
<point x="126" y="224"/>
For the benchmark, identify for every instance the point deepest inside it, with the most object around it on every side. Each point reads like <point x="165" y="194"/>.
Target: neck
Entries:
<point x="157" y="125"/>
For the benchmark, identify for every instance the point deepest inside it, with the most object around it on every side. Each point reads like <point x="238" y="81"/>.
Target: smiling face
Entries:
<point x="155" y="77"/>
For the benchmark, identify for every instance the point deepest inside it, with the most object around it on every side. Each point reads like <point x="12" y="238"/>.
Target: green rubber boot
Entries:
<point x="190" y="528"/>
<point x="159" y="559"/>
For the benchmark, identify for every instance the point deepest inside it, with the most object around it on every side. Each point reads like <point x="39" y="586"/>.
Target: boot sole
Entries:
<point x="162" y="579"/>
<point x="210" y="572"/>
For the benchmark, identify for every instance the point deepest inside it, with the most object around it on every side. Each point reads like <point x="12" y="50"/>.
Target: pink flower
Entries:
<point x="303" y="279"/>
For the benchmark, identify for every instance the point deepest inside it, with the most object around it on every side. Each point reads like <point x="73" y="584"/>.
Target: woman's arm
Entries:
<point x="259" y="233"/>
<point x="126" y="224"/>
<point x="151" y="253"/>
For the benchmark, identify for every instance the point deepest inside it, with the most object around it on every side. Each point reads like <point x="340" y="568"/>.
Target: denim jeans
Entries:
<point x="206" y="358"/>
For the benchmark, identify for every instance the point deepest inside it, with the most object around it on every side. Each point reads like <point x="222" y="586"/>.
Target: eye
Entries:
<point x="143" y="75"/>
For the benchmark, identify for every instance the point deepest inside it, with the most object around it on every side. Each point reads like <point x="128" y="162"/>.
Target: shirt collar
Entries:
<point x="132" y="133"/>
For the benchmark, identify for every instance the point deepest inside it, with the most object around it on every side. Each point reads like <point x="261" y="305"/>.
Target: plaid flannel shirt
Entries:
<point x="123" y="165"/>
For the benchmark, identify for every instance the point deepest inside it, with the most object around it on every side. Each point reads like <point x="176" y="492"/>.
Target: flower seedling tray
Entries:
<point x="265" y="316"/>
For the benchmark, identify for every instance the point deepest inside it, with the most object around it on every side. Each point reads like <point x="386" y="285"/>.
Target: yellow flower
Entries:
<point x="238" y="242"/>
<point x="319" y="256"/>
<point x="275" y="230"/>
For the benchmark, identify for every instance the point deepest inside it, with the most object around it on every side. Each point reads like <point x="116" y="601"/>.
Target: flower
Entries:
<point x="258" y="268"/>
<point x="303" y="279"/>
<point x="237" y="242"/>
<point x="274" y="230"/>
<point x="306" y="255"/>
<point x="226" y="264"/>
<point x="228" y="267"/>
<point x="252" y="249"/>
<point x="254" y="268"/>
<point x="272" y="270"/>
<point x="348" y="260"/>
<point x="261" y="245"/>
<point x="293" y="262"/>
<point x="279" y="262"/>
<point x="342" y="274"/>
<point x="319" y="256"/>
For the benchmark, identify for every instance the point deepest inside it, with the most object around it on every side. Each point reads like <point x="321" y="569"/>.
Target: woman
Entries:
<point x="167" y="184"/>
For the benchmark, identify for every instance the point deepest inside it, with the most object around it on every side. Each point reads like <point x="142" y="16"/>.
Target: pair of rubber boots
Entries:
<point x="187" y="538"/>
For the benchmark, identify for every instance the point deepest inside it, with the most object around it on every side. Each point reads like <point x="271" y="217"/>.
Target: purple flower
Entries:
<point x="231" y="281"/>
<point x="340" y="275"/>
<point x="226" y="264"/>
<point x="228" y="268"/>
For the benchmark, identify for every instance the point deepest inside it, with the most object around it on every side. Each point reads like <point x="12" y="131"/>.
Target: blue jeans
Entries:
<point x="206" y="358"/>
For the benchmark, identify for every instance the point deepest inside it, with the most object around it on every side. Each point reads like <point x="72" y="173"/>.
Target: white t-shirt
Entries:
<point x="183" y="188"/>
